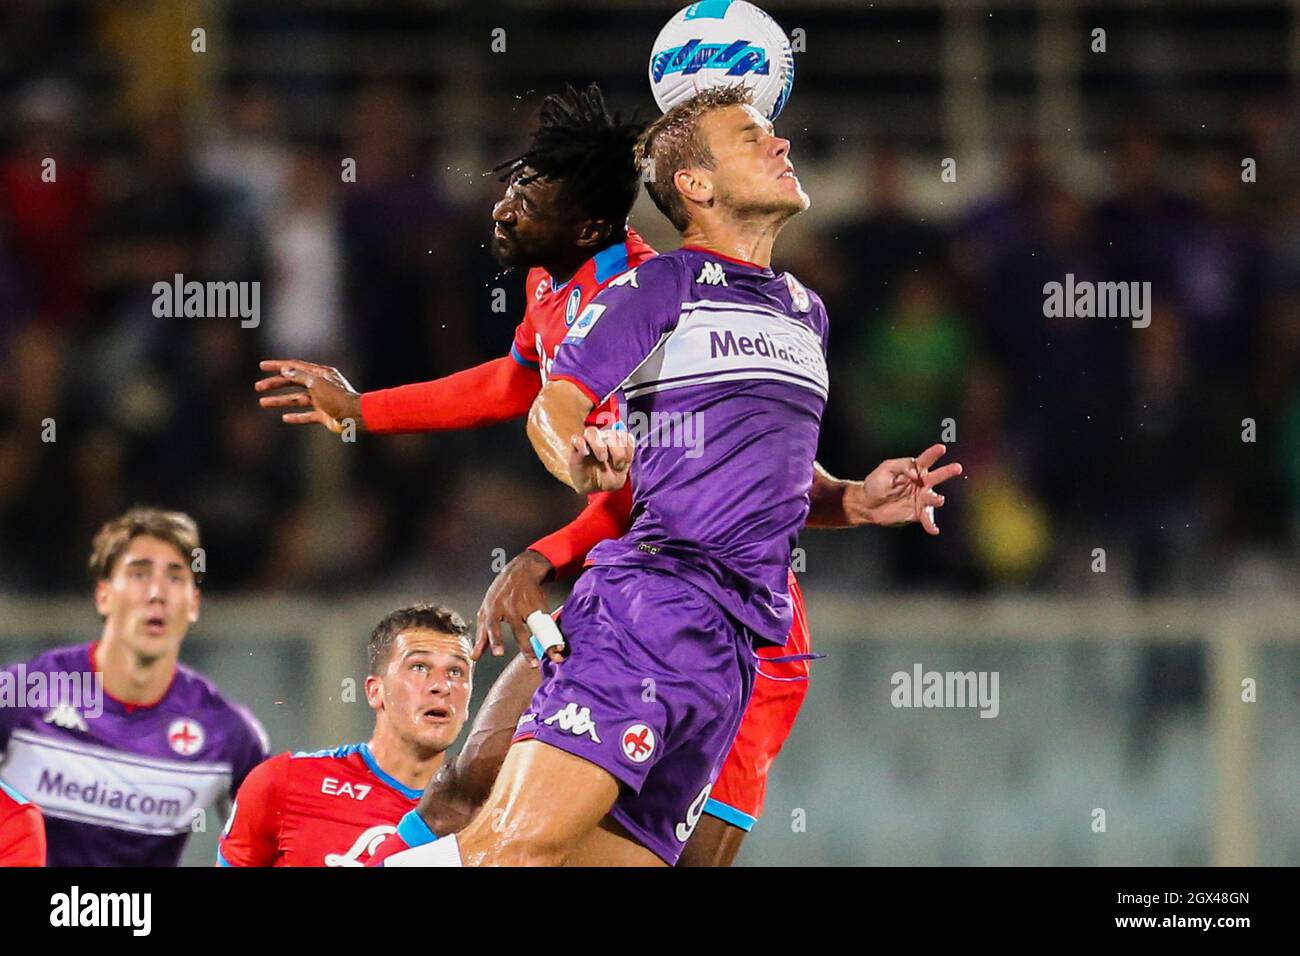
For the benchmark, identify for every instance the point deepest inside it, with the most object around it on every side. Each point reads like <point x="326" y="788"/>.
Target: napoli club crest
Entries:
<point x="185" y="736"/>
<point x="571" y="307"/>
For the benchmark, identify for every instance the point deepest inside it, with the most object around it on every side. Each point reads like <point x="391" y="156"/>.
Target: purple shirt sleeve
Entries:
<point x="621" y="328"/>
<point x="251" y="748"/>
<point x="821" y="322"/>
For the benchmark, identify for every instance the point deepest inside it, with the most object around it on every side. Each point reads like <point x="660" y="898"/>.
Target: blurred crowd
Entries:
<point x="1174" y="447"/>
<point x="1076" y="433"/>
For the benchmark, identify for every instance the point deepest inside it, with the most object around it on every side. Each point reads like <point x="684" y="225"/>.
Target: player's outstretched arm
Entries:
<point x="586" y="458"/>
<point x="899" y="491"/>
<point x="486" y="394"/>
<point x="456" y="792"/>
<point x="497" y="391"/>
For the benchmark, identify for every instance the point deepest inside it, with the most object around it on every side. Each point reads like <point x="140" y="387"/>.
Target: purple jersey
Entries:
<point x="722" y="365"/>
<point x="120" y="784"/>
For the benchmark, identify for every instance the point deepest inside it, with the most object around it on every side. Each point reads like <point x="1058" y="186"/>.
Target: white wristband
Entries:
<point x="443" y="851"/>
<point x="545" y="633"/>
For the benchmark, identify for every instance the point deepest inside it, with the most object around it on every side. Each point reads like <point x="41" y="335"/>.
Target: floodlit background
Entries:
<point x="1174" y="448"/>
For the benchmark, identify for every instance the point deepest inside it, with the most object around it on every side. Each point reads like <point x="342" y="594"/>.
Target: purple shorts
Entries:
<point x="653" y="690"/>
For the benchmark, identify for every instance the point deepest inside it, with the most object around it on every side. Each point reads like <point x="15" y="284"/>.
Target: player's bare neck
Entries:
<point x="131" y="678"/>
<point x="748" y="240"/>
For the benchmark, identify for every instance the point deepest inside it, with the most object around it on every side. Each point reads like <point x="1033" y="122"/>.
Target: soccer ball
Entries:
<point x="721" y="43"/>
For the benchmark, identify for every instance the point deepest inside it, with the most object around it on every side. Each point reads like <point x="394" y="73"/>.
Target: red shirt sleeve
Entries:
<point x="252" y="834"/>
<point x="523" y="350"/>
<point x="608" y="514"/>
<point x="486" y="394"/>
<point x="22" y="836"/>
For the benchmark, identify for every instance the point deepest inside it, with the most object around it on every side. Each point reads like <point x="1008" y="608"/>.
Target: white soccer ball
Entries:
<point x="722" y="43"/>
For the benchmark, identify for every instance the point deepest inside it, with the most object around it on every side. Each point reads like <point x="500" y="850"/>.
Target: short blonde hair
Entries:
<point x="673" y="142"/>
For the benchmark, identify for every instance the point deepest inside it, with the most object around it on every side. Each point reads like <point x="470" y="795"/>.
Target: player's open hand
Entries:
<point x="515" y="593"/>
<point x="321" y="389"/>
<point x="600" y="458"/>
<point x="901" y="490"/>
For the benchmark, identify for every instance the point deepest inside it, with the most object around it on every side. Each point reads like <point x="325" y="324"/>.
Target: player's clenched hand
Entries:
<point x="320" y="388"/>
<point x="901" y="490"/>
<point x="599" y="458"/>
<point x="515" y="593"/>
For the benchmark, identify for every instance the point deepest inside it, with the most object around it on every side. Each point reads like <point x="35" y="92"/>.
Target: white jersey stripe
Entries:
<point x="716" y="341"/>
<point x="713" y="377"/>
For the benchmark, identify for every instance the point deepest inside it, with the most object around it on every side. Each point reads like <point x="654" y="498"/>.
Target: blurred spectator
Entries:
<point x="51" y="202"/>
<point x="911" y="361"/>
<point x="244" y="150"/>
<point x="1160" y="468"/>
<point x="306" y="308"/>
<point x="403" y="289"/>
<point x="1221" y="272"/>
<point x="886" y="243"/>
<point x="1142" y="227"/>
<point x="1001" y="526"/>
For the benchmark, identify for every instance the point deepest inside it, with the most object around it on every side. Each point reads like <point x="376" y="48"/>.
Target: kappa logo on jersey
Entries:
<point x="571" y="307"/>
<point x="638" y="743"/>
<point x="365" y="845"/>
<point x="711" y="274"/>
<point x="525" y="719"/>
<point x="798" y="294"/>
<point x="67" y="717"/>
<point x="574" y="719"/>
<point x="185" y="736"/>
<point x="684" y="829"/>
<point x="542" y="288"/>
<point x="627" y="278"/>
<point x="332" y="787"/>
<point x="589" y="317"/>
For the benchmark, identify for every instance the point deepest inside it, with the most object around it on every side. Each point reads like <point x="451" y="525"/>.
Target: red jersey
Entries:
<point x="327" y="808"/>
<point x="22" y="830"/>
<point x="552" y="309"/>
